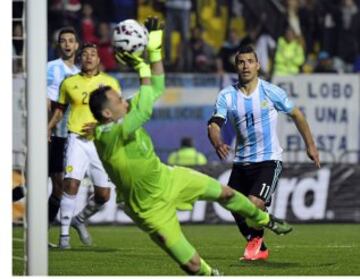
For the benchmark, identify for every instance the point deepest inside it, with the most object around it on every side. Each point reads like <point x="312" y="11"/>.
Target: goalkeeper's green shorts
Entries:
<point x="161" y="221"/>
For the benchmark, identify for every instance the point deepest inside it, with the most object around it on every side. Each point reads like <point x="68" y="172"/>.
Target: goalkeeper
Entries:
<point x="153" y="191"/>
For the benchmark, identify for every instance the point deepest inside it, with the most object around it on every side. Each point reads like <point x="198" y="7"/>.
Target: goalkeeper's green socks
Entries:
<point x="243" y="206"/>
<point x="205" y="269"/>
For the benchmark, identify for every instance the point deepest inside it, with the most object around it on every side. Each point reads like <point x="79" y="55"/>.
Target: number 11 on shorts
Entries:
<point x="264" y="190"/>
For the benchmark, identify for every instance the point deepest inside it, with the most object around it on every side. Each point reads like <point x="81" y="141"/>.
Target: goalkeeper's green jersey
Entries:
<point x="127" y="152"/>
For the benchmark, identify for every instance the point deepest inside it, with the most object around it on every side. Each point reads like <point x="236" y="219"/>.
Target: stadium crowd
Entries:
<point x="291" y="36"/>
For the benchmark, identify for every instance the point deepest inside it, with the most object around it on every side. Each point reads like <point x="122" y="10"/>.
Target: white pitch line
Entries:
<point x="315" y="246"/>
<point x="18" y="239"/>
<point x="18" y="258"/>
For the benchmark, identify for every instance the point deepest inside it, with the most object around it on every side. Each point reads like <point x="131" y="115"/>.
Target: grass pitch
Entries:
<point x="322" y="249"/>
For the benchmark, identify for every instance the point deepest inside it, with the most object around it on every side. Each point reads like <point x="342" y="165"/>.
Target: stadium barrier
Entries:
<point x="331" y="105"/>
<point x="304" y="194"/>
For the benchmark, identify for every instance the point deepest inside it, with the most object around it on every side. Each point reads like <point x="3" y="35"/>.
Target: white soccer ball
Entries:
<point x="131" y="36"/>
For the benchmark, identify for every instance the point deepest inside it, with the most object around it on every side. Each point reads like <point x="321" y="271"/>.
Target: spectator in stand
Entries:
<point x="105" y="49"/>
<point x="226" y="56"/>
<point x="349" y="33"/>
<point x="187" y="155"/>
<point x="292" y="7"/>
<point x="293" y="20"/>
<point x="328" y="24"/>
<point x="325" y="63"/>
<point x="289" y="56"/>
<point x="177" y="18"/>
<point x="309" y="15"/>
<point x="88" y="25"/>
<point x="201" y="55"/>
<point x="124" y="9"/>
<point x="63" y="13"/>
<point x="265" y="48"/>
<point x="18" y="40"/>
<point x="103" y="10"/>
<point x="17" y="47"/>
<point x="264" y="44"/>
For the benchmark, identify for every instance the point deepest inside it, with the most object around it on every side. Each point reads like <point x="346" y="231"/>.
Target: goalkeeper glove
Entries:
<point x="155" y="29"/>
<point x="135" y="62"/>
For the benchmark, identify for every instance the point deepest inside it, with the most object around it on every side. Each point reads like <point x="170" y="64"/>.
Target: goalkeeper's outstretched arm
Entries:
<point x="152" y="80"/>
<point x="142" y="104"/>
<point x="154" y="49"/>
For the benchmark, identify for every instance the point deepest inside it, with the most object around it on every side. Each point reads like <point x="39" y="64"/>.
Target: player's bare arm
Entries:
<point x="304" y="129"/>
<point x="55" y="119"/>
<point x="222" y="149"/>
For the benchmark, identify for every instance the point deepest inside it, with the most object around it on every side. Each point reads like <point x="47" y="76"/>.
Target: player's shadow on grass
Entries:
<point x="276" y="265"/>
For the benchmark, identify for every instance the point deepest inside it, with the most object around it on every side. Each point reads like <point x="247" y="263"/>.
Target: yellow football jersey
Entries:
<point x="75" y="91"/>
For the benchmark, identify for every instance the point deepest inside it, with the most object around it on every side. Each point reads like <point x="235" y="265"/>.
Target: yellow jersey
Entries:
<point x="75" y="91"/>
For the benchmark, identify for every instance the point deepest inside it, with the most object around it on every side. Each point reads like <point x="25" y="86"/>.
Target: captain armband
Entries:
<point x="218" y="120"/>
<point x="60" y="106"/>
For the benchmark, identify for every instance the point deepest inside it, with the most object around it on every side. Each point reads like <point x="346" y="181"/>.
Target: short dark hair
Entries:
<point x="248" y="48"/>
<point x="66" y="30"/>
<point x="97" y="102"/>
<point x="187" y="142"/>
<point x="88" y="45"/>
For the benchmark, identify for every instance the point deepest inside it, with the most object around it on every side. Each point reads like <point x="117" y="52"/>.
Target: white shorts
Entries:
<point x="81" y="157"/>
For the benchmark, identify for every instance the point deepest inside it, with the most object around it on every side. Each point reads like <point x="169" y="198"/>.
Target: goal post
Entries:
<point x="37" y="166"/>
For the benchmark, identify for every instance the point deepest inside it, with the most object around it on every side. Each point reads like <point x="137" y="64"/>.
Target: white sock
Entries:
<point x="89" y="210"/>
<point x="67" y="208"/>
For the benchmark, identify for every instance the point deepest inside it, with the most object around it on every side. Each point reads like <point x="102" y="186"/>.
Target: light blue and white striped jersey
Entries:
<point x="57" y="71"/>
<point x="254" y="119"/>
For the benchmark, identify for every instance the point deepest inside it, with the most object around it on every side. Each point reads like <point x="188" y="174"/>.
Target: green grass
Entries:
<point x="322" y="249"/>
<point x="18" y="251"/>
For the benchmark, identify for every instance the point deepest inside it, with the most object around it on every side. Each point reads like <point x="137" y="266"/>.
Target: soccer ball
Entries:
<point x="131" y="36"/>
